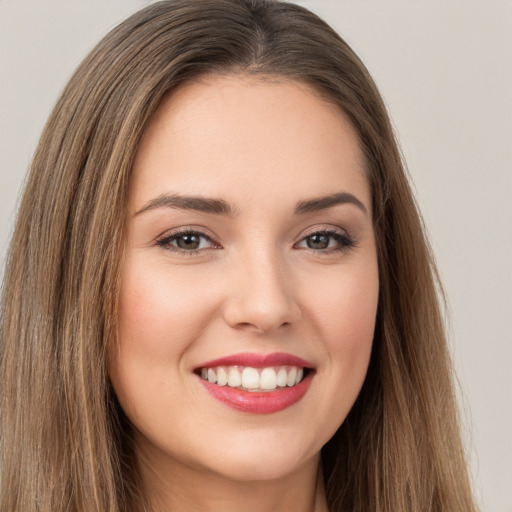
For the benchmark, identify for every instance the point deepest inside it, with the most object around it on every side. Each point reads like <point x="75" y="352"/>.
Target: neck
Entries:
<point x="188" y="489"/>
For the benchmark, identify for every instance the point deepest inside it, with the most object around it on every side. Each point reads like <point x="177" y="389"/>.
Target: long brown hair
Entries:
<point x="64" y="441"/>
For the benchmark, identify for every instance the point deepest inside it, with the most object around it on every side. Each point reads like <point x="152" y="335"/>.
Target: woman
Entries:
<point x="219" y="294"/>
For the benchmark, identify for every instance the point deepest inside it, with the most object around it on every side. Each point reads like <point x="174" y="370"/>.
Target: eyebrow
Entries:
<point x="323" y="203"/>
<point x="196" y="203"/>
<point x="221" y="207"/>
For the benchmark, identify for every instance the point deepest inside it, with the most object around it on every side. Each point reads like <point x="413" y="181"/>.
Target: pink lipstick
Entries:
<point x="257" y="383"/>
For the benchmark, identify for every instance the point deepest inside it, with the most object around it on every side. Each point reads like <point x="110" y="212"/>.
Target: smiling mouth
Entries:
<point x="247" y="378"/>
<point x="257" y="383"/>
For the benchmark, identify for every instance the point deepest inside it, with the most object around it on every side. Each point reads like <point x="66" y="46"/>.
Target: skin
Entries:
<point x="254" y="285"/>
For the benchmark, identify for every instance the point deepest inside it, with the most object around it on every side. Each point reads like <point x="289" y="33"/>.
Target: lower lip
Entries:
<point x="258" y="402"/>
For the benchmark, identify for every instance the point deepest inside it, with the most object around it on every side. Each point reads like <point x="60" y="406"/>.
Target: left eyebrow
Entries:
<point x="318" y="204"/>
<point x="196" y="203"/>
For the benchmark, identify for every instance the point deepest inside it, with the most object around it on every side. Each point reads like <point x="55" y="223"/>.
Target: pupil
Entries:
<point x="318" y="241"/>
<point x="188" y="242"/>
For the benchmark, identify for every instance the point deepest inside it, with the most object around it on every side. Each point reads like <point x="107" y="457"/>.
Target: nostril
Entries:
<point x="258" y="326"/>
<point x="243" y="325"/>
<point x="259" y="310"/>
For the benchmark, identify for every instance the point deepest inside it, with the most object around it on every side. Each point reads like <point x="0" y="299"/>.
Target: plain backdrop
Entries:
<point x="444" y="68"/>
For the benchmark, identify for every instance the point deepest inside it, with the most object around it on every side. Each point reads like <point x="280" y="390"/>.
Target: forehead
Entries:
<point x="226" y="133"/>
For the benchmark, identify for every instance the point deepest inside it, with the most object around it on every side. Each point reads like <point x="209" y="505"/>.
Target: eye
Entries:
<point x="187" y="241"/>
<point x="327" y="241"/>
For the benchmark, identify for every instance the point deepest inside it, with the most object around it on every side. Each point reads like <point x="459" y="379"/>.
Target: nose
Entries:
<point x="261" y="297"/>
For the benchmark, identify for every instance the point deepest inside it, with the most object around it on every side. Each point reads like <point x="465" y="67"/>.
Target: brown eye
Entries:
<point x="318" y="241"/>
<point x="327" y="241"/>
<point x="188" y="242"/>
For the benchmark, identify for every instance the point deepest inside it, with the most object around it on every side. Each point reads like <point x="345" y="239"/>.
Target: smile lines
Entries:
<point x="253" y="379"/>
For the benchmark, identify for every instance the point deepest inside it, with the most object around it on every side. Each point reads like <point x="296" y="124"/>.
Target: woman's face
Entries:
<point x="249" y="284"/>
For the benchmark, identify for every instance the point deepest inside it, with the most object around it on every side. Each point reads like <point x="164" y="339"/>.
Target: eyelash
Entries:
<point x="166" y="241"/>
<point x="344" y="241"/>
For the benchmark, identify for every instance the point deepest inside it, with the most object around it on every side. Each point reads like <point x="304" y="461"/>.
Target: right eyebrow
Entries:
<point x="318" y="204"/>
<point x="196" y="203"/>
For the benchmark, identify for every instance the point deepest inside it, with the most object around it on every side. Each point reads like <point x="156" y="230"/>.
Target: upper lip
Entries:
<point x="255" y="360"/>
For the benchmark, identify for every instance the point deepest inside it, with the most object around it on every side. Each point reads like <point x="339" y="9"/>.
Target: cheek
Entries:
<point x="160" y="317"/>
<point x="346" y="304"/>
<point x="345" y="316"/>
<point x="160" y="314"/>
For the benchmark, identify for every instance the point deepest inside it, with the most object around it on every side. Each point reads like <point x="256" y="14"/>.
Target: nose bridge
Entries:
<point x="261" y="292"/>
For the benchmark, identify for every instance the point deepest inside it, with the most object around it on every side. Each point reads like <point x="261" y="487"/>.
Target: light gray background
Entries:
<point x="444" y="68"/>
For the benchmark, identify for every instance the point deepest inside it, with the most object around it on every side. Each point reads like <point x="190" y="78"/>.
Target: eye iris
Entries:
<point x="318" y="241"/>
<point x="188" y="242"/>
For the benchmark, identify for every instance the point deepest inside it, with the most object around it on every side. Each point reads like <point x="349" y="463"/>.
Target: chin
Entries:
<point x="261" y="468"/>
<point x="264" y="459"/>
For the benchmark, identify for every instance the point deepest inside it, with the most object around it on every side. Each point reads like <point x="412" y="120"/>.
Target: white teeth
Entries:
<point x="212" y="377"/>
<point x="253" y="379"/>
<point x="282" y="377"/>
<point x="234" y="378"/>
<point x="268" y="379"/>
<point x="292" y="374"/>
<point x="222" y="377"/>
<point x="250" y="378"/>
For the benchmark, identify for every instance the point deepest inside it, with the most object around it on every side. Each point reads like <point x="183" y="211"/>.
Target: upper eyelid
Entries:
<point x="165" y="243"/>
<point x="328" y="232"/>
<point x="206" y="233"/>
<point x="324" y="230"/>
<point x="170" y="233"/>
<point x="330" y="229"/>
